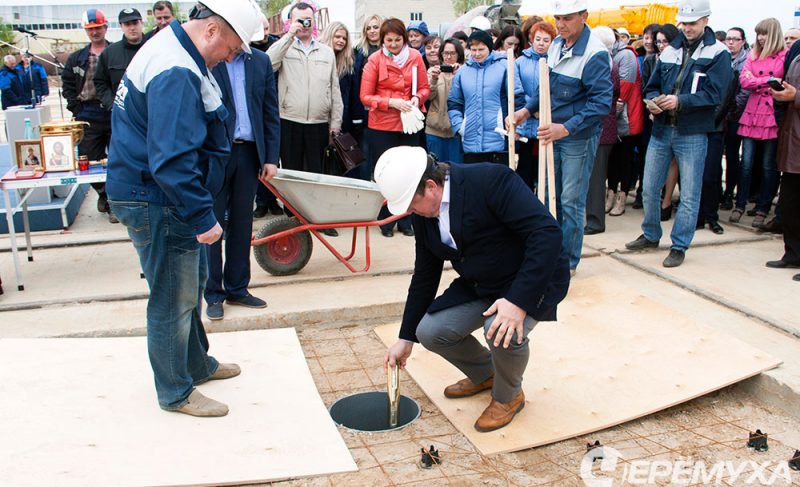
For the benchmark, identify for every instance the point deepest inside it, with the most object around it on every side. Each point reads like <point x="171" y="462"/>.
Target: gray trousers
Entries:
<point x="449" y="333"/>
<point x="596" y="198"/>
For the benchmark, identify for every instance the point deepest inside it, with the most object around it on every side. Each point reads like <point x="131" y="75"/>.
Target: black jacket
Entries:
<point x="509" y="246"/>
<point x="72" y="79"/>
<point x="111" y="67"/>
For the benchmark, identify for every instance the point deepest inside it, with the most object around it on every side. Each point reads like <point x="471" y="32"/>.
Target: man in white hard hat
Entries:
<point x="624" y="35"/>
<point x="165" y="165"/>
<point x="689" y="82"/>
<point x="580" y="97"/>
<point x="506" y="249"/>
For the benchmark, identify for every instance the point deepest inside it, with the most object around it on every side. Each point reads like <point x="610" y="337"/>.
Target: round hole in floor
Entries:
<point x="369" y="411"/>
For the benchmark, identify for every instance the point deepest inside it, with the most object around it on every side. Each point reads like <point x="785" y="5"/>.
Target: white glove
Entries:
<point x="413" y="121"/>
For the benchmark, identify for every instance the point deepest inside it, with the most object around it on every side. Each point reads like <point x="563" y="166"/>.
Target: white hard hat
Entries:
<point x="623" y="31"/>
<point x="566" y="7"/>
<point x="481" y="23"/>
<point x="398" y="173"/>
<point x="243" y="15"/>
<point x="693" y="10"/>
<point x="606" y="36"/>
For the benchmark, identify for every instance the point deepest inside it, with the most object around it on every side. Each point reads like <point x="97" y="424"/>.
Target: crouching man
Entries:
<point x="512" y="272"/>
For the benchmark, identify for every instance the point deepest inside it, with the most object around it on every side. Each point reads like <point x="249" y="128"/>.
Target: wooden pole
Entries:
<point x="546" y="157"/>
<point x="544" y="96"/>
<point x="512" y="129"/>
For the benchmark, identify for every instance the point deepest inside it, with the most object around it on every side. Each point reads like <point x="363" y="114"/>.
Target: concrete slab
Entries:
<point x="83" y="412"/>
<point x="372" y="298"/>
<point x="624" y="228"/>
<point x="734" y="276"/>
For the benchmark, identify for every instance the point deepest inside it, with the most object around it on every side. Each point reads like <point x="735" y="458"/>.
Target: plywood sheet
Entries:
<point x="83" y="412"/>
<point x="615" y="355"/>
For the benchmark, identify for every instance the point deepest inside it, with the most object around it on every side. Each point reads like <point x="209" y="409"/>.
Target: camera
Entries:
<point x="306" y="22"/>
<point x="446" y="68"/>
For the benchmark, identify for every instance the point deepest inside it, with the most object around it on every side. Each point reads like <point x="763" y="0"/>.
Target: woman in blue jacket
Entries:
<point x="478" y="102"/>
<point x="541" y="35"/>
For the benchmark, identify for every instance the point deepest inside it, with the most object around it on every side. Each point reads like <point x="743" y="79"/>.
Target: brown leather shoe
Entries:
<point x="465" y="388"/>
<point x="498" y="414"/>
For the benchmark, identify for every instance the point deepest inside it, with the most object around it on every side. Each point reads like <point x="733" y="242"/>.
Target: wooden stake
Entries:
<point x="546" y="158"/>
<point x="512" y="129"/>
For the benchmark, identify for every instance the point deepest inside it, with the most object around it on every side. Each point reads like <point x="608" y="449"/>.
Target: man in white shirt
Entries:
<point x="505" y="247"/>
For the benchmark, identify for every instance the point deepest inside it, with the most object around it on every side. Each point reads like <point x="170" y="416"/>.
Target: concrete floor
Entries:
<point x="92" y="288"/>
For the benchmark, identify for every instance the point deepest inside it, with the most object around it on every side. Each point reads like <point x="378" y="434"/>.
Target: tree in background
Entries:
<point x="6" y="35"/>
<point x="464" y="6"/>
<point x="273" y="6"/>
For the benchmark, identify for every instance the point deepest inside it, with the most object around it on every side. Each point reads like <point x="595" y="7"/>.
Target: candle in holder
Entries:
<point x="83" y="163"/>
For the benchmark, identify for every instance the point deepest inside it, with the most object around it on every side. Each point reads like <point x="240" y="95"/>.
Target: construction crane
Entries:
<point x="633" y="17"/>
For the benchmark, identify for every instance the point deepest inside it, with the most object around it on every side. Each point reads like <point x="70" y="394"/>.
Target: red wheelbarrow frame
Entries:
<point x="314" y="228"/>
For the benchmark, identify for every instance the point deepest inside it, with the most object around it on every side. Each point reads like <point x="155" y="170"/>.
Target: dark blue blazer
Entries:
<point x="262" y="104"/>
<point x="509" y="246"/>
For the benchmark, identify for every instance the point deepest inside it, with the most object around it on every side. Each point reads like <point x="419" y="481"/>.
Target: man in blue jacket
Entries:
<point x="166" y="164"/>
<point x="580" y="96"/>
<point x="688" y="83"/>
<point x="506" y="249"/>
<point x="251" y="98"/>
<point x="34" y="77"/>
<point x="11" y="84"/>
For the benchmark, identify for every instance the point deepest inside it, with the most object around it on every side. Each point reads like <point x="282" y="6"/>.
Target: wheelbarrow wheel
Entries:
<point x="284" y="256"/>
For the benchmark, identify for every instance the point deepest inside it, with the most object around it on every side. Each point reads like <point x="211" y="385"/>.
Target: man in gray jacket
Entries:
<point x="308" y="92"/>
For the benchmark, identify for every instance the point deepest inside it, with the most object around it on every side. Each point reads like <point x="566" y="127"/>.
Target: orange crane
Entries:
<point x="633" y="17"/>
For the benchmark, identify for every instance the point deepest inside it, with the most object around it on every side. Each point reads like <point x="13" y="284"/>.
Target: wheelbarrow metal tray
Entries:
<point x="320" y="198"/>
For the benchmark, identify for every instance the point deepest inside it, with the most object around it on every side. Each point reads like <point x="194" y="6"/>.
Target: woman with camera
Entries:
<point x="439" y="133"/>
<point x="394" y="88"/>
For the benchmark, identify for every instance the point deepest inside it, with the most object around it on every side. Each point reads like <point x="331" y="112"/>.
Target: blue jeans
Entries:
<point x="446" y="149"/>
<point x="770" y="170"/>
<point x="175" y="266"/>
<point x="690" y="152"/>
<point x="574" y="159"/>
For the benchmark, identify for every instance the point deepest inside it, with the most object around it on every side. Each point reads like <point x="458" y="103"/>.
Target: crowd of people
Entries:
<point x="629" y="117"/>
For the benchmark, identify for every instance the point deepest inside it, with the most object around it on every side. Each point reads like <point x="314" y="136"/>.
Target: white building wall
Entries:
<point x="434" y="12"/>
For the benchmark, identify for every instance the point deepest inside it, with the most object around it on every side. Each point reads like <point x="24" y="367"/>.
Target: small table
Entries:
<point x="95" y="174"/>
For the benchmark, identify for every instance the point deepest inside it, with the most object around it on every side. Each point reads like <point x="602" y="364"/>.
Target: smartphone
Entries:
<point x="775" y="84"/>
<point x="446" y="68"/>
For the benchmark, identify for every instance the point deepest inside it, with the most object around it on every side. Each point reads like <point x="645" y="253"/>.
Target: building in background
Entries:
<point x="433" y="13"/>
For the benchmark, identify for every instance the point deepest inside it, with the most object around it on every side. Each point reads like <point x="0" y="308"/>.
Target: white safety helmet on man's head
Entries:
<point x="693" y="10"/>
<point x="566" y="7"/>
<point x="398" y="173"/>
<point x="243" y="16"/>
<point x="480" y="23"/>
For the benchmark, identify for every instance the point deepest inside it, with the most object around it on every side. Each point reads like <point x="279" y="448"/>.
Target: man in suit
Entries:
<point x="250" y="96"/>
<point x="507" y="251"/>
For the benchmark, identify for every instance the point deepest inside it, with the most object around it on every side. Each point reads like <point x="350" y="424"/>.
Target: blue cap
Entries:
<point x="419" y="25"/>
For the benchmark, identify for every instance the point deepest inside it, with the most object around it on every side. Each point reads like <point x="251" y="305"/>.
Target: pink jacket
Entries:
<point x="758" y="120"/>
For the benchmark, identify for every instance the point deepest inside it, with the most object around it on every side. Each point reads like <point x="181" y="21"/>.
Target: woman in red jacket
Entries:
<point x="387" y="90"/>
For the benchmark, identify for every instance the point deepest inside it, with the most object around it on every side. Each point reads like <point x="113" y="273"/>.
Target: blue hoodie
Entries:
<point x="478" y="100"/>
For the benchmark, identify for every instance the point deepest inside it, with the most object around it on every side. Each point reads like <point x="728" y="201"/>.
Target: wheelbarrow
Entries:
<point x="283" y="245"/>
